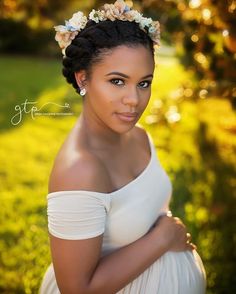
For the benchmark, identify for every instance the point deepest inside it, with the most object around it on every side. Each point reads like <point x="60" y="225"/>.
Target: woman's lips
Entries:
<point x="126" y="117"/>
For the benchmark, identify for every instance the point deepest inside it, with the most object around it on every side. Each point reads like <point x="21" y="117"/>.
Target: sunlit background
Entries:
<point x="191" y="117"/>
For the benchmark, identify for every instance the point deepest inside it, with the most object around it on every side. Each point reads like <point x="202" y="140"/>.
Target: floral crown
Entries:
<point x="119" y="10"/>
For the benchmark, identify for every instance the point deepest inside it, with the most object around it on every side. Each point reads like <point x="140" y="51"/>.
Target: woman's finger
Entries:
<point x="188" y="235"/>
<point x="191" y="246"/>
<point x="169" y="213"/>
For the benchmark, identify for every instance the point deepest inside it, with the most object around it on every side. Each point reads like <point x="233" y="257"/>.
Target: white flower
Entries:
<point x="60" y="28"/>
<point x="78" y="21"/>
<point x="96" y="15"/>
<point x="145" y="22"/>
<point x="93" y="16"/>
<point x="151" y="30"/>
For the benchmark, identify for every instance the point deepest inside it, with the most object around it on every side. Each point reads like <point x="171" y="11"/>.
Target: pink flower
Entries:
<point x="64" y="38"/>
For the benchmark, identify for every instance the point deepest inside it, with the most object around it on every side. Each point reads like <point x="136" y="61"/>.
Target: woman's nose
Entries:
<point x="132" y="97"/>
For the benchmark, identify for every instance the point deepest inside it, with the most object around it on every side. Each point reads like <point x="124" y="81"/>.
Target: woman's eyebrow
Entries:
<point x="125" y="76"/>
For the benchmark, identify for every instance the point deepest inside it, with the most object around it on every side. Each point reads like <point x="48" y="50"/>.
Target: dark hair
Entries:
<point x="96" y="40"/>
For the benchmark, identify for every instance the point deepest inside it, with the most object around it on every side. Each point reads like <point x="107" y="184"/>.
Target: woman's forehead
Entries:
<point x="127" y="59"/>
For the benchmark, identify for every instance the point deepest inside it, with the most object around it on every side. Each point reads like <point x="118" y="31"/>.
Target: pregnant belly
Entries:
<point x="182" y="272"/>
<point x="173" y="273"/>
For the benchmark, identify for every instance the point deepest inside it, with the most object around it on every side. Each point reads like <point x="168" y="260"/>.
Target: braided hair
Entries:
<point x="96" y="40"/>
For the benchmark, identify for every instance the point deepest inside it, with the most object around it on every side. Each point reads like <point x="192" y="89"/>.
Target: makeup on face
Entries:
<point x="120" y="87"/>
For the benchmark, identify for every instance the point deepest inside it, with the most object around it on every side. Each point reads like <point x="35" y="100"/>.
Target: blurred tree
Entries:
<point x="27" y="26"/>
<point x="204" y="32"/>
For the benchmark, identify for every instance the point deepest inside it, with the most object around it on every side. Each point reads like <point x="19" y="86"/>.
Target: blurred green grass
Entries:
<point x="197" y="151"/>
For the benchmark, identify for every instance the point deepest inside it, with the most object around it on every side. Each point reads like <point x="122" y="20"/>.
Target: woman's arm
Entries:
<point x="79" y="268"/>
<point x="120" y="268"/>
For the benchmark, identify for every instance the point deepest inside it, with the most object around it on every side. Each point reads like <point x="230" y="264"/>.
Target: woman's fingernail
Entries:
<point x="169" y="213"/>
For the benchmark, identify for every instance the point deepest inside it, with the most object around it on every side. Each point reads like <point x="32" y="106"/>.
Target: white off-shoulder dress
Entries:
<point x="123" y="216"/>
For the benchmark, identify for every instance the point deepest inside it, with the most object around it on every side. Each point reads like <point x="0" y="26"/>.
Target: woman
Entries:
<point x="109" y="223"/>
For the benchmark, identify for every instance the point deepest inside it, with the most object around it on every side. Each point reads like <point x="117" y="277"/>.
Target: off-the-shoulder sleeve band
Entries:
<point x="75" y="215"/>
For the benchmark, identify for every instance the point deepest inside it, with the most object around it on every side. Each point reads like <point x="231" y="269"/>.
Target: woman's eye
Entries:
<point x="148" y="83"/>
<point x="144" y="84"/>
<point x="114" y="81"/>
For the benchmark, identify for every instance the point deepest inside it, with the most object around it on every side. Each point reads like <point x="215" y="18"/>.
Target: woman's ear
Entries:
<point x="80" y="77"/>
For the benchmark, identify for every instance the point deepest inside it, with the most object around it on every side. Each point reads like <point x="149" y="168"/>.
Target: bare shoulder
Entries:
<point x="83" y="171"/>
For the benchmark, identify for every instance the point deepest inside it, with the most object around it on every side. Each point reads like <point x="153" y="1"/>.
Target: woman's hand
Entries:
<point x="173" y="233"/>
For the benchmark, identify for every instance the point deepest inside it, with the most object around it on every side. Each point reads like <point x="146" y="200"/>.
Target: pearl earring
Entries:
<point x="83" y="92"/>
